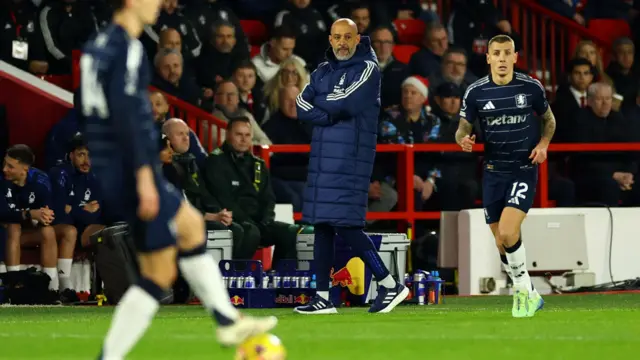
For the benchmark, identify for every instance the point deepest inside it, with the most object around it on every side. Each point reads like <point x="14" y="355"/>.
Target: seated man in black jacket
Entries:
<point x="603" y="177"/>
<point x="241" y="183"/>
<point x="181" y="169"/>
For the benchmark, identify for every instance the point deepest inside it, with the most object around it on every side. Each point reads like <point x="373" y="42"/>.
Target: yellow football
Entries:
<point x="261" y="347"/>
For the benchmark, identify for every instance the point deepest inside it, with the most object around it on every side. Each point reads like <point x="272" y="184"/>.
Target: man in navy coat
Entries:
<point x="342" y="102"/>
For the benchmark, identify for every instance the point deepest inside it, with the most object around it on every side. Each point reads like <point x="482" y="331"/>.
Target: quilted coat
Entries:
<point x="342" y="102"/>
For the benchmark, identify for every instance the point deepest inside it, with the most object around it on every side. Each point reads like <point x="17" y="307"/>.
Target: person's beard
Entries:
<point x="344" y="57"/>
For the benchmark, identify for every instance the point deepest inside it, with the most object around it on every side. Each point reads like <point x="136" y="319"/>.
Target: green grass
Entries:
<point x="570" y="327"/>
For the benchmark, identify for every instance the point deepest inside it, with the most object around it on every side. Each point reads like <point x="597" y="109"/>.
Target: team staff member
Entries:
<point x="241" y="183"/>
<point x="342" y="102"/>
<point x="21" y="42"/>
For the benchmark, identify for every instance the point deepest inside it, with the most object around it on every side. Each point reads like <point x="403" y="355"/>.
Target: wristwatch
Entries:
<point x="433" y="182"/>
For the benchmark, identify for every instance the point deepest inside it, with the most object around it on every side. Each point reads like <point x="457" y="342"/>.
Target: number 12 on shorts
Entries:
<point x="518" y="191"/>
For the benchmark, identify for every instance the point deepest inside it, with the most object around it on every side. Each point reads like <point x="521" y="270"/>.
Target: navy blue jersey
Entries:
<point x="35" y="194"/>
<point x="508" y="119"/>
<point x="74" y="188"/>
<point x="119" y="124"/>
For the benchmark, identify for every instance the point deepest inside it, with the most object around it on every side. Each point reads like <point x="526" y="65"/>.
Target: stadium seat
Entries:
<point x="403" y="53"/>
<point x="255" y="50"/>
<point x="255" y="30"/>
<point x="410" y="31"/>
<point x="610" y="29"/>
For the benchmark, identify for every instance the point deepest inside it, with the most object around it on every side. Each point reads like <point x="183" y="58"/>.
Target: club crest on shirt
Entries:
<point x="521" y="100"/>
<point x="8" y="193"/>
<point x="339" y="89"/>
<point x="32" y="198"/>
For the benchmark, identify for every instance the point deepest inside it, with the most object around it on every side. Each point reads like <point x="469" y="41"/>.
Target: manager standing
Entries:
<point x="342" y="102"/>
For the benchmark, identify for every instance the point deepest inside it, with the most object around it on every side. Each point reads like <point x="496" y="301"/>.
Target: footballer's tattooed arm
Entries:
<point x="464" y="128"/>
<point x="548" y="125"/>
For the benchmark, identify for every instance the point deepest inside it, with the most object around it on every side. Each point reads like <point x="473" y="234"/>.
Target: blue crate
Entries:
<point x="260" y="297"/>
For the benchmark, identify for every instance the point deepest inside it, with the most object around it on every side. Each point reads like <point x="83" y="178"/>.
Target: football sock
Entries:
<point x="53" y="274"/>
<point x="201" y="271"/>
<point x="131" y="318"/>
<point x="517" y="258"/>
<point x="323" y="294"/>
<point x="323" y="256"/>
<point x="505" y="265"/>
<point x="13" y="268"/>
<point x="64" y="273"/>
<point x="364" y="248"/>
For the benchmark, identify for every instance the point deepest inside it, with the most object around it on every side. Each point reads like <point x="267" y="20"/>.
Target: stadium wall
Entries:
<point x="33" y="106"/>
<point x="478" y="258"/>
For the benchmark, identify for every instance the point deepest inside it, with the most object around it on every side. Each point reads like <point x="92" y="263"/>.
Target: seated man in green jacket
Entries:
<point x="181" y="169"/>
<point x="240" y="183"/>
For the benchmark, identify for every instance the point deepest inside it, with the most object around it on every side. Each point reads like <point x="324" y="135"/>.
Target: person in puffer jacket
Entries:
<point x="342" y="101"/>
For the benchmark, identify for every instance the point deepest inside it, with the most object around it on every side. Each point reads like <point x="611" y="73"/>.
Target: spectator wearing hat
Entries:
<point x="410" y="123"/>
<point x="458" y="183"/>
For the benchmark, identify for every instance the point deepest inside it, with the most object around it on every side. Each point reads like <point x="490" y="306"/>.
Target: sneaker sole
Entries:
<point x="395" y="302"/>
<point x="328" y="311"/>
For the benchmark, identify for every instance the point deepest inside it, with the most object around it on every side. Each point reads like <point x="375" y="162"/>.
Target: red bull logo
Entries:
<point x="302" y="299"/>
<point x="351" y="276"/>
<point x="341" y="277"/>
<point x="237" y="300"/>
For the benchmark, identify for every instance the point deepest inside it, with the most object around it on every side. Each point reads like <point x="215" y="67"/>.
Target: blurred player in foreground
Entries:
<point x="342" y="102"/>
<point x="123" y="140"/>
<point x="504" y="102"/>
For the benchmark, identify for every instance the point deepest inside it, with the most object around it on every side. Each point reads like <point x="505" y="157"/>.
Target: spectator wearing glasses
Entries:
<point x="290" y="73"/>
<point x="453" y="70"/>
<point x="227" y="100"/>
<point x="393" y="72"/>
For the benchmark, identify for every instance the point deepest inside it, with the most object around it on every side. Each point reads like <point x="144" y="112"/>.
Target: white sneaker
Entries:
<point x="244" y="328"/>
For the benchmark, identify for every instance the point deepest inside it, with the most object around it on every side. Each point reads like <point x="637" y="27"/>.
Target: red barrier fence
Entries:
<point x="405" y="172"/>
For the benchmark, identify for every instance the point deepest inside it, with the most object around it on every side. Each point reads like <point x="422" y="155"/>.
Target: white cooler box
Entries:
<point x="220" y="244"/>
<point x="393" y="251"/>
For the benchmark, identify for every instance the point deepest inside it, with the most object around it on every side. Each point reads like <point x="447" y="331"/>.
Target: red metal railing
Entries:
<point x="405" y="173"/>
<point x="548" y="39"/>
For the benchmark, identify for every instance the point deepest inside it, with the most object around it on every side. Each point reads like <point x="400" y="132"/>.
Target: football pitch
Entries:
<point x="570" y="327"/>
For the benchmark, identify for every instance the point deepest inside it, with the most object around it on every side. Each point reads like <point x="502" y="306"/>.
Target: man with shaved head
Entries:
<point x="342" y="102"/>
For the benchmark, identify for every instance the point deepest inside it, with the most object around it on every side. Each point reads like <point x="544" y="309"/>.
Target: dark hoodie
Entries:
<point x="310" y="29"/>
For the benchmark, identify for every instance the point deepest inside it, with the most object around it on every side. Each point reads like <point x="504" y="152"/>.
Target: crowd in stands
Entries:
<point x="200" y="54"/>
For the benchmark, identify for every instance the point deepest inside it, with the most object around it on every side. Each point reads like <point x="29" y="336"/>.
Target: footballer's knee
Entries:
<point x="190" y="226"/>
<point x="160" y="267"/>
<point x="496" y="237"/>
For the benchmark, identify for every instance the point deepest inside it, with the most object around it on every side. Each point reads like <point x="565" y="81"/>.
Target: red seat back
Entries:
<point x="255" y="30"/>
<point x="410" y="31"/>
<point x="403" y="53"/>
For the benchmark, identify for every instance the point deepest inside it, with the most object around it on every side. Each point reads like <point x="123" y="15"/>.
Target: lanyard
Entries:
<point x="15" y="22"/>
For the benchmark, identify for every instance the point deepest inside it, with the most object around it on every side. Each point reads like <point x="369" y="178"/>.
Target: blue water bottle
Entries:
<point x="313" y="281"/>
<point x="437" y="287"/>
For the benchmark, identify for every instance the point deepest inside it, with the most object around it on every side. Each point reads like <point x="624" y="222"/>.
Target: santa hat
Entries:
<point x="420" y="83"/>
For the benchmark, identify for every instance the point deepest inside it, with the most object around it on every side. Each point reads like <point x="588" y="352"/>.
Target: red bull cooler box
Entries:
<point x="220" y="244"/>
<point x="351" y="281"/>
